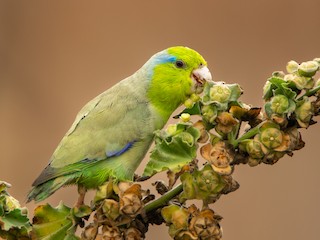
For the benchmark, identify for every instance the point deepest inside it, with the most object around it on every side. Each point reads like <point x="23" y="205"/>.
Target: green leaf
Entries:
<point x="281" y="86"/>
<point x="236" y="91"/>
<point x="171" y="153"/>
<point x="15" y="218"/>
<point x="52" y="223"/>
<point x="195" y="110"/>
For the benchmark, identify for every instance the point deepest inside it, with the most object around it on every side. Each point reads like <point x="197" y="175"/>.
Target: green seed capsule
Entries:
<point x="195" y="97"/>
<point x="189" y="103"/>
<point x="304" y="113"/>
<point x="271" y="137"/>
<point x="220" y="93"/>
<point x="301" y="82"/>
<point x="292" y="66"/>
<point x="279" y="104"/>
<point x="308" y="69"/>
<point x="185" y="117"/>
<point x="171" y="129"/>
<point x="254" y="149"/>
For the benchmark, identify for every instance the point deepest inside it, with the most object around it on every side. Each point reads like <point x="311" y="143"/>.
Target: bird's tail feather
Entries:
<point x="46" y="189"/>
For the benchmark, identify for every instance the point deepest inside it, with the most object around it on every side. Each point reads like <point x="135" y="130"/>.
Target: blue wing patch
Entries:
<point x="118" y="153"/>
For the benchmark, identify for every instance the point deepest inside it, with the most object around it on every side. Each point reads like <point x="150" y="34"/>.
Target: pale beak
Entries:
<point x="200" y="76"/>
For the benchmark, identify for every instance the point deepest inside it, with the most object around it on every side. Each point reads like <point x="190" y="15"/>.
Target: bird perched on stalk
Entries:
<point x="112" y="133"/>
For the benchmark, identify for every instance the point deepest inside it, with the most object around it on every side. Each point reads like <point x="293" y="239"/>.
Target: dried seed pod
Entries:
<point x="130" y="198"/>
<point x="252" y="162"/>
<point x="111" y="233"/>
<point x="225" y="123"/>
<point x="130" y="204"/>
<point x="296" y="141"/>
<point x="205" y="225"/>
<point x="90" y="232"/>
<point x="111" y="208"/>
<point x="176" y="217"/>
<point x="204" y="134"/>
<point x="223" y="170"/>
<point x="185" y="235"/>
<point x="160" y="187"/>
<point x="132" y="234"/>
<point x="220" y="155"/>
<point x="273" y="157"/>
<point x="231" y="185"/>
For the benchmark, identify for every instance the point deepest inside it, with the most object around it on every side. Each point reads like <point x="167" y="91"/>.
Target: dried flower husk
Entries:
<point x="204" y="134"/>
<point x="225" y="123"/>
<point x="111" y="233"/>
<point x="205" y="225"/>
<point x="132" y="234"/>
<point x="176" y="217"/>
<point x="220" y="155"/>
<point x="90" y="232"/>
<point x="296" y="142"/>
<point x="111" y="208"/>
<point x="130" y="204"/>
<point x="130" y="198"/>
<point x="185" y="235"/>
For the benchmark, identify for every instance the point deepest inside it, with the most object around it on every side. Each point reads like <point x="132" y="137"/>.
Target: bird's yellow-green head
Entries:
<point x="175" y="74"/>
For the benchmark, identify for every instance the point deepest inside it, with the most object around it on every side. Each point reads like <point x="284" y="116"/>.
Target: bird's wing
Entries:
<point x="107" y="126"/>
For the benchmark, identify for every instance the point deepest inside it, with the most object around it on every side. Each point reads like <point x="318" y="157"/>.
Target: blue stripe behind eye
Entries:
<point x="118" y="153"/>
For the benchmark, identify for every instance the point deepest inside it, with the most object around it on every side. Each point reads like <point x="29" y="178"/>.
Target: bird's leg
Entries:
<point x="82" y="193"/>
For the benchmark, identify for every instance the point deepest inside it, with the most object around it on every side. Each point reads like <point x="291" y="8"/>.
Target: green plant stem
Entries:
<point x="310" y="93"/>
<point x="234" y="134"/>
<point x="164" y="199"/>
<point x="247" y="135"/>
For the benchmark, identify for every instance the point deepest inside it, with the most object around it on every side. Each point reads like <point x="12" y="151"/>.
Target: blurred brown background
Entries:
<point x="57" y="55"/>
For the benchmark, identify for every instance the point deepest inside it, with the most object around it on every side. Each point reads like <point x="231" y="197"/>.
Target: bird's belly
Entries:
<point x="119" y="168"/>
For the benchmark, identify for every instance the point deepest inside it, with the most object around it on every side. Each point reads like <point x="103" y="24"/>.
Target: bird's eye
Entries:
<point x="180" y="64"/>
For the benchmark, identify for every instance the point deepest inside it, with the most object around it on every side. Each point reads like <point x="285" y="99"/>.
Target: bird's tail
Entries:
<point x="46" y="189"/>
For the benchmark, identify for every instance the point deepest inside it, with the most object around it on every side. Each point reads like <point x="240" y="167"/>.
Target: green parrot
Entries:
<point x="112" y="133"/>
